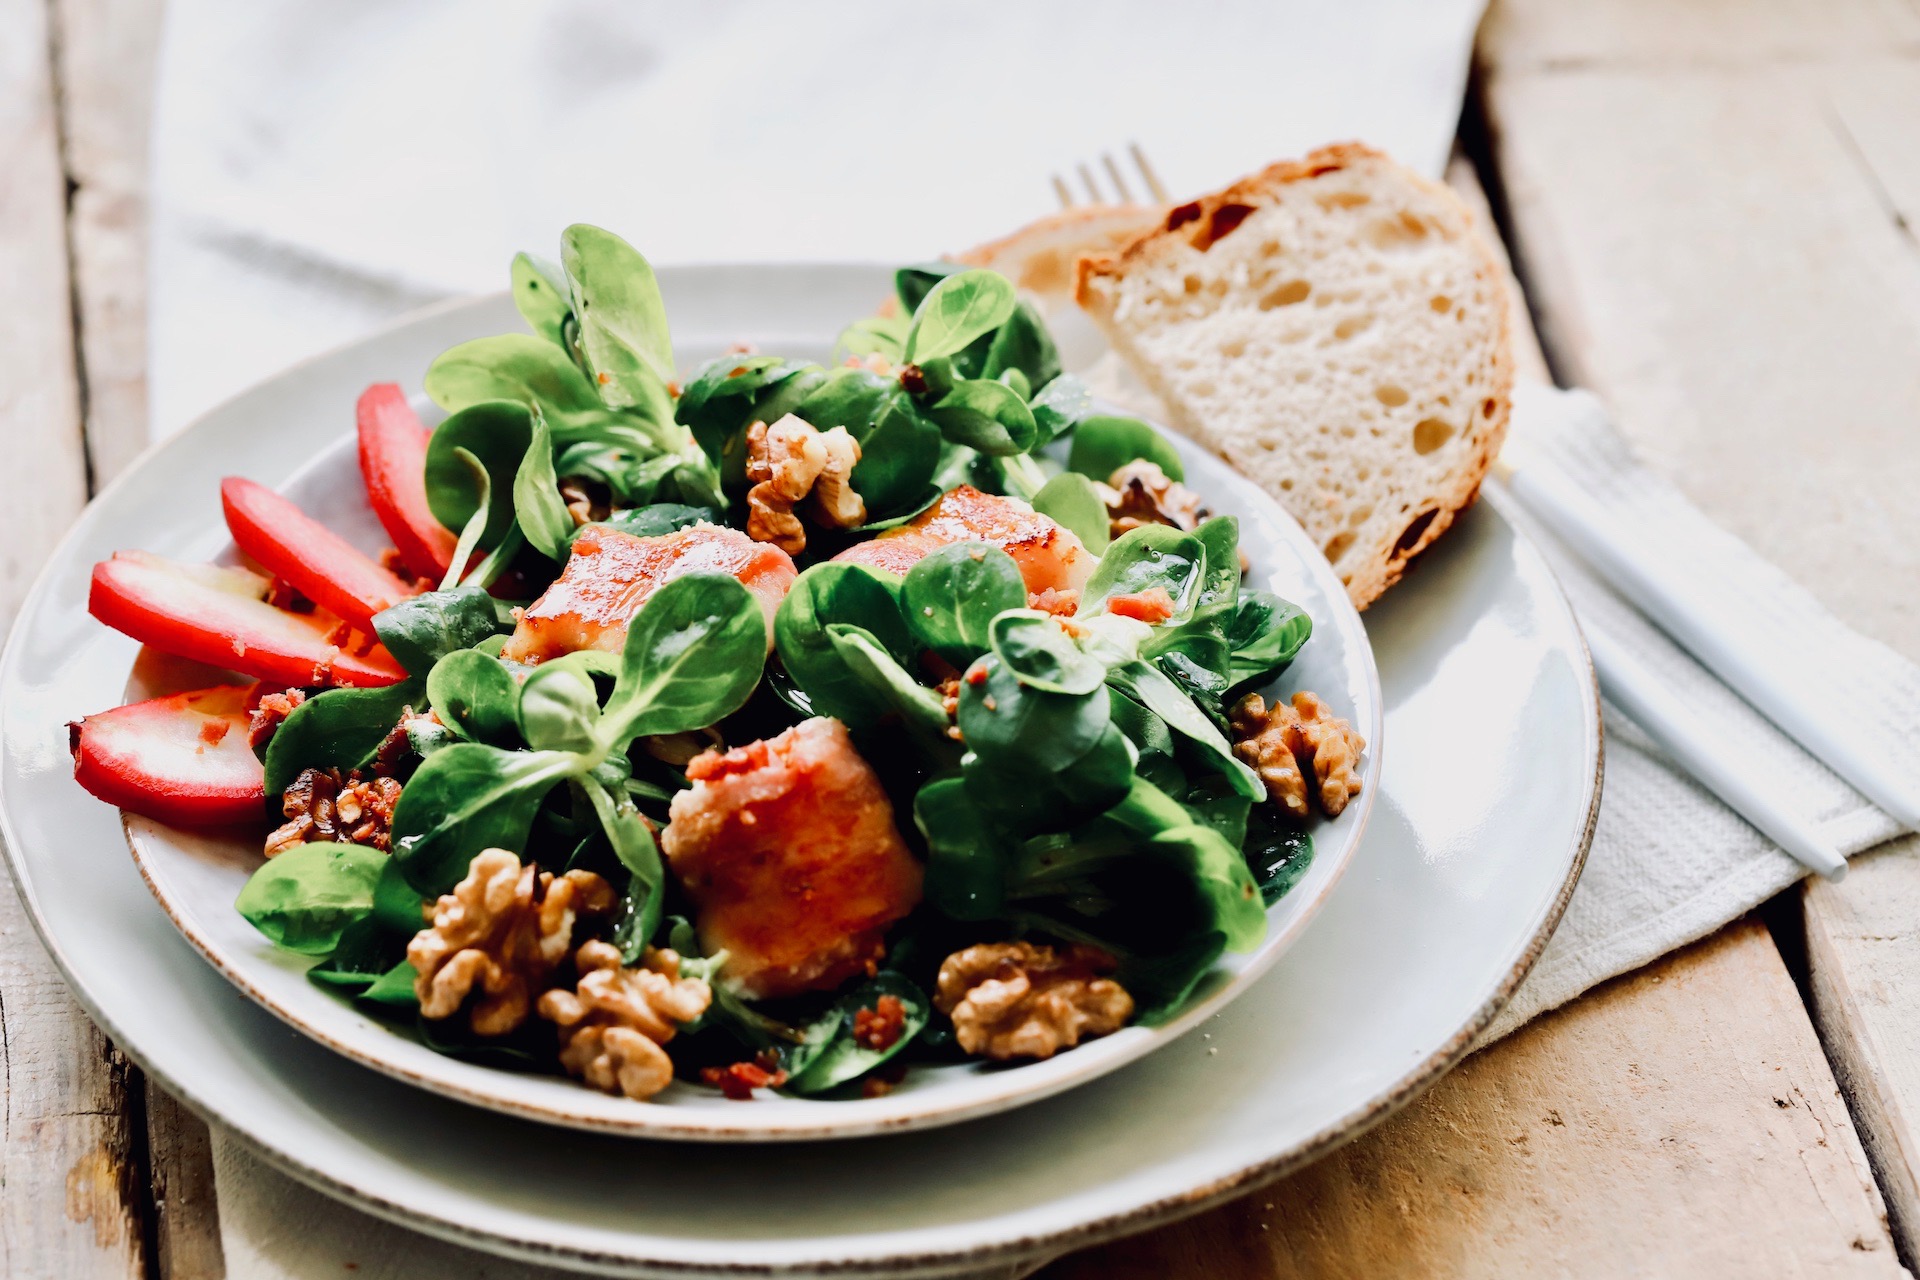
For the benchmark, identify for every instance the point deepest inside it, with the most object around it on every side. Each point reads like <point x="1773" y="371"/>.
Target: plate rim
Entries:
<point x="1093" y="1230"/>
<point x="496" y="1091"/>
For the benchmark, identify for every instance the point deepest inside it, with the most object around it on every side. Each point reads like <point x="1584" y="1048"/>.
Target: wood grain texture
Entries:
<point x="105" y="53"/>
<point x="1676" y="1122"/>
<point x="69" y="1151"/>
<point x="1722" y="217"/>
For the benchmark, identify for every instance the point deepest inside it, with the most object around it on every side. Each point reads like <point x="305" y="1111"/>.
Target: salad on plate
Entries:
<point x="782" y="727"/>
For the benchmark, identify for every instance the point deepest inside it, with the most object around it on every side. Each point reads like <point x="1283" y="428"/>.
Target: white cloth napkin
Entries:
<point x="320" y="169"/>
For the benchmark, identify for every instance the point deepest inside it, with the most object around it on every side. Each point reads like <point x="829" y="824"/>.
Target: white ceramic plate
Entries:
<point x="197" y="876"/>
<point x="1483" y="817"/>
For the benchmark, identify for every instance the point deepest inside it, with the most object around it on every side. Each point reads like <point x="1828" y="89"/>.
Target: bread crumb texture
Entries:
<point x="1336" y="329"/>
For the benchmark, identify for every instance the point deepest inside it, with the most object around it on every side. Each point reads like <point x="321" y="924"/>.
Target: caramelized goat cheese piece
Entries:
<point x="1050" y="557"/>
<point x="789" y="851"/>
<point x="611" y="574"/>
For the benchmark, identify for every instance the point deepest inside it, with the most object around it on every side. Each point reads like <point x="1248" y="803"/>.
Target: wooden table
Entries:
<point x="1714" y="209"/>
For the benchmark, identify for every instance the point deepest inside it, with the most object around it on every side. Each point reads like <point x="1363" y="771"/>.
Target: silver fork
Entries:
<point x="1122" y="193"/>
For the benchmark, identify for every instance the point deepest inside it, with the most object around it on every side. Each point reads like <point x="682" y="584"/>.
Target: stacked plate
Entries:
<point x="1422" y="910"/>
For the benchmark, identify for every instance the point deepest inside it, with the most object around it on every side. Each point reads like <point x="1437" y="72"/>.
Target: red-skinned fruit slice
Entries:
<point x="182" y="760"/>
<point x="393" y="462"/>
<point x="313" y="559"/>
<point x="220" y="616"/>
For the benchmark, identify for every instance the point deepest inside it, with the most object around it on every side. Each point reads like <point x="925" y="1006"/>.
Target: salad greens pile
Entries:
<point x="1083" y="790"/>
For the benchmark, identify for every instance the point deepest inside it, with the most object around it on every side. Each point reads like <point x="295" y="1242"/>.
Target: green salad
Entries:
<point x="789" y="724"/>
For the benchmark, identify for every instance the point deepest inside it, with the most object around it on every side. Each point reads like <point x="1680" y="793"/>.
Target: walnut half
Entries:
<point x="1019" y="1000"/>
<point x="792" y="461"/>
<point x="1139" y="492"/>
<point x="614" y="1022"/>
<point x="499" y="936"/>
<point x="1283" y="743"/>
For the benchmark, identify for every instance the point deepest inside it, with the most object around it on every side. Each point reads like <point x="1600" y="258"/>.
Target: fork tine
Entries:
<point x="1061" y="192"/>
<point x="1093" y="189"/>
<point x="1113" y="172"/>
<point x="1147" y="174"/>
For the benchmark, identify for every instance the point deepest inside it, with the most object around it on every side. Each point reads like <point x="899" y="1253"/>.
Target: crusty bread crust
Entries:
<point x="1040" y="257"/>
<point x="1197" y="225"/>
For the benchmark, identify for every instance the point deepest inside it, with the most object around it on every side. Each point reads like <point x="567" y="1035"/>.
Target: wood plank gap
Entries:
<point x="76" y="319"/>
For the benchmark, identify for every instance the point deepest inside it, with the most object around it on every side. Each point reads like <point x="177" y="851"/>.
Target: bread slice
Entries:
<point x="1336" y="329"/>
<point x="1040" y="256"/>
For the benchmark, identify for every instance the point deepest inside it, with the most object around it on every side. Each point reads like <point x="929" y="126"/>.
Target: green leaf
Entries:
<point x="498" y="433"/>
<point x="304" y="898"/>
<point x="1153" y="555"/>
<point x="656" y="519"/>
<point x="559" y="710"/>
<point x="622" y="318"/>
<point x="957" y="310"/>
<point x="365" y="951"/>
<point x="899" y="451"/>
<point x="1008" y="723"/>
<point x="540" y="294"/>
<point x="987" y="416"/>
<point x="951" y="597"/>
<point x="1037" y="649"/>
<point x="397" y="908"/>
<point x="511" y="366"/>
<point x="1148" y="685"/>
<point x="1220" y="873"/>
<point x="693" y="654"/>
<point x="475" y="696"/>
<point x="1278" y="852"/>
<point x="1265" y="635"/>
<point x="966" y="858"/>
<point x="1061" y="404"/>
<point x="466" y="798"/>
<point x="422" y="629"/>
<point x="543" y="517"/>
<point x="828" y="593"/>
<point x="1069" y="500"/>
<point x="1051" y="793"/>
<point x="1102" y="445"/>
<point x="395" y="987"/>
<point x="1023" y="345"/>
<point x="869" y="662"/>
<point x="830" y="1055"/>
<point x="337" y="729"/>
<point x="633" y="844"/>
<point x="912" y="284"/>
<point x="884" y="336"/>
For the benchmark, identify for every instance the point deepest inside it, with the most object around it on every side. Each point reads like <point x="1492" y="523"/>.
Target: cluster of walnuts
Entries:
<point x="793" y="461"/>
<point x="499" y="942"/>
<point x="1287" y="744"/>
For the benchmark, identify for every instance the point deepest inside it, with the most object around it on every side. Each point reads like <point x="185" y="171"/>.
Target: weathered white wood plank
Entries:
<point x="105" y="61"/>
<point x="72" y="1190"/>
<point x="1723" y="212"/>
<point x="1679" y="1122"/>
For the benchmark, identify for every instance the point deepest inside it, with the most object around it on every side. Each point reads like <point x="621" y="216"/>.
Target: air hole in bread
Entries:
<point x="1233" y="348"/>
<point x="1489" y="407"/>
<point x="1344" y="200"/>
<point x="1350" y="326"/>
<point x="1441" y="303"/>
<point x="1191" y="284"/>
<point x="1410" y="538"/>
<point x="1337" y="546"/>
<point x="1429" y="434"/>
<point x="1402" y="232"/>
<point x="1286" y="484"/>
<point x="1225" y="221"/>
<point x="1359" y="517"/>
<point x="1285" y="294"/>
<point x="1389" y="395"/>
<point x="1203" y="388"/>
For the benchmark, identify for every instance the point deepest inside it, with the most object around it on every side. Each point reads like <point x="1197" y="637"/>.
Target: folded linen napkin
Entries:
<point x="321" y="169"/>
